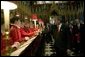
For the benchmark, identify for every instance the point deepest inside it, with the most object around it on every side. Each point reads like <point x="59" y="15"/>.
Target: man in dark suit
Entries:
<point x="60" y="37"/>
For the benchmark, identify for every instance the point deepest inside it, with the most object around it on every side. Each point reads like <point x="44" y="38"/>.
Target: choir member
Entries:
<point x="15" y="33"/>
<point x="26" y="31"/>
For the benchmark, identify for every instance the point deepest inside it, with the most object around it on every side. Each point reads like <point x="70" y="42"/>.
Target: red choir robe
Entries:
<point x="34" y="29"/>
<point x="32" y="32"/>
<point x="27" y="32"/>
<point x="3" y="45"/>
<point x="15" y="34"/>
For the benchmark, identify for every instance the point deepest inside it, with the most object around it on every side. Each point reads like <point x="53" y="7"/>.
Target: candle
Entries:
<point x="35" y="22"/>
<point x="6" y="19"/>
<point x="6" y="6"/>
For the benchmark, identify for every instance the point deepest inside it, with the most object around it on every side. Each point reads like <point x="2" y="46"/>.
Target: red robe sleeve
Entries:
<point x="27" y="33"/>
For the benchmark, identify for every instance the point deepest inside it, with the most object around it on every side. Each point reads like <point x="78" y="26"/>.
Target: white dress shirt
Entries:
<point x="59" y="26"/>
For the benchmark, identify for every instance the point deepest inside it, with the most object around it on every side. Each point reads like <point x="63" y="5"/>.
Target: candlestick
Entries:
<point x="6" y="19"/>
<point x="7" y="6"/>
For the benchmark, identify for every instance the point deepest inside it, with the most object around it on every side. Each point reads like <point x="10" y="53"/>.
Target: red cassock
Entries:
<point x="15" y="34"/>
<point x="32" y="32"/>
<point x="26" y="32"/>
<point x="3" y="44"/>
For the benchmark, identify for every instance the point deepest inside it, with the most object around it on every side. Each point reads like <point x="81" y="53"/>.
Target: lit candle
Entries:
<point x="6" y="6"/>
<point x="35" y="22"/>
<point x="6" y="18"/>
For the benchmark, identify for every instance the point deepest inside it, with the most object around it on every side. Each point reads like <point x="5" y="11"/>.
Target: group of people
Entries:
<point x="67" y="36"/>
<point x="20" y="31"/>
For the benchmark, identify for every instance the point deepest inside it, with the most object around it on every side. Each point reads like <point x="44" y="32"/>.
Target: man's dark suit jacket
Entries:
<point x="61" y="37"/>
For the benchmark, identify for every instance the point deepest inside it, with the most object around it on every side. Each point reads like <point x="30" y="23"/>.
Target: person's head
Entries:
<point x="77" y="21"/>
<point x="57" y="20"/>
<point x="22" y="24"/>
<point x="16" y="20"/>
<point x="31" y="25"/>
<point x="81" y="21"/>
<point x="71" y="22"/>
<point x="27" y="23"/>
